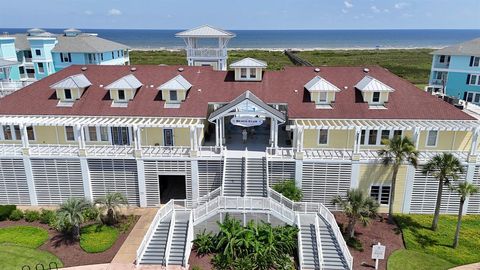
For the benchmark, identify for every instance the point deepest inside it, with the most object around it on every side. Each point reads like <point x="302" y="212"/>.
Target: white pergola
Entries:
<point x="299" y="125"/>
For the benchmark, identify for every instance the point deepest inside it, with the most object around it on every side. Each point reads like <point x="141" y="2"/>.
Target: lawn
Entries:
<point x="14" y="257"/>
<point x="413" y="65"/>
<point x="418" y="237"/>
<point x="98" y="238"/>
<point x="407" y="259"/>
<point x="27" y="236"/>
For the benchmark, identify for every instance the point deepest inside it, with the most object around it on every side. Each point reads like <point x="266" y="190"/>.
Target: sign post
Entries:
<point x="378" y="253"/>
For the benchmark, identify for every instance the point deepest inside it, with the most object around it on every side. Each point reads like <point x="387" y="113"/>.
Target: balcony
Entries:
<point x="438" y="82"/>
<point x="114" y="151"/>
<point x="7" y="87"/>
<point x="443" y="65"/>
<point x="206" y="52"/>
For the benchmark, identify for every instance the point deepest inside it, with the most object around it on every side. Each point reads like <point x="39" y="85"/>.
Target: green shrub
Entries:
<point x="204" y="243"/>
<point x="354" y="243"/>
<point x="195" y="267"/>
<point x="98" y="238"/>
<point x="126" y="223"/>
<point x="32" y="215"/>
<point x="91" y="214"/>
<point x="5" y="211"/>
<point x="47" y="217"/>
<point x="16" y="215"/>
<point x="288" y="189"/>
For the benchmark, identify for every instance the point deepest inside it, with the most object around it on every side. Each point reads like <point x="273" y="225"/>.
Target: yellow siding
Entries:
<point x="129" y="94"/>
<point x="181" y="136"/>
<point x="330" y="97"/>
<point x="258" y="74"/>
<point x="382" y="175"/>
<point x="76" y="93"/>
<point x="367" y="97"/>
<point x="338" y="139"/>
<point x="154" y="136"/>
<point x="181" y="95"/>
<point x="447" y="140"/>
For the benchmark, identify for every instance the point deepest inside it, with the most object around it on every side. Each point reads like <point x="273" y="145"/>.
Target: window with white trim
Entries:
<point x="92" y="134"/>
<point x="473" y="79"/>
<point x="432" y="138"/>
<point x="70" y="134"/>
<point x="380" y="194"/>
<point x="13" y="133"/>
<point x="38" y="52"/>
<point x="375" y="97"/>
<point x="375" y="137"/>
<point x="253" y="73"/>
<point x="243" y="73"/>
<point x="104" y="137"/>
<point x="322" y="97"/>
<point x="97" y="134"/>
<point x="65" y="57"/>
<point x="173" y="95"/>
<point x="372" y="137"/>
<point x="475" y="61"/>
<point x="41" y="68"/>
<point x="323" y="136"/>
<point x="30" y="133"/>
<point x="68" y="94"/>
<point x="121" y="94"/>
<point x="473" y="97"/>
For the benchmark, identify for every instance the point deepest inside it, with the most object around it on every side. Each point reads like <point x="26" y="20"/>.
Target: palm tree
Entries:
<point x="465" y="189"/>
<point x="357" y="206"/>
<point x="111" y="204"/>
<point x="397" y="151"/>
<point x="445" y="168"/>
<point x="70" y="213"/>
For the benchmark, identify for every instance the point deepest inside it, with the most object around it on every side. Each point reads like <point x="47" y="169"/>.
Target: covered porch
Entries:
<point x="248" y="123"/>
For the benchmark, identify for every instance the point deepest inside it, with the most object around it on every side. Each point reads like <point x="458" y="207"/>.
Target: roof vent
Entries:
<point x="317" y="70"/>
<point x="84" y="68"/>
<point x="366" y="70"/>
<point x="133" y="69"/>
<point x="345" y="87"/>
<point x="296" y="91"/>
<point x="180" y="69"/>
<point x="199" y="90"/>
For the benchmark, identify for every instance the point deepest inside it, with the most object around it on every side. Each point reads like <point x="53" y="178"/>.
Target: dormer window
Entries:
<point x="68" y="94"/>
<point x="248" y="69"/>
<point x="123" y="90"/>
<point x="374" y="92"/>
<point x="322" y="92"/>
<point x="175" y="91"/>
<point x="70" y="89"/>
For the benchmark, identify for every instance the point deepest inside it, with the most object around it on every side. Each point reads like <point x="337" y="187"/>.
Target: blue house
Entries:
<point x="38" y="53"/>
<point x="456" y="71"/>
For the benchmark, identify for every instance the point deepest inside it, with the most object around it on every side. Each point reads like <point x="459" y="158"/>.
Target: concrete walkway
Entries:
<point x="128" y="251"/>
<point x="473" y="266"/>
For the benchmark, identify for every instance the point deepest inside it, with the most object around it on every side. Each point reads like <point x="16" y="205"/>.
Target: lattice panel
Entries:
<point x="56" y="180"/>
<point x="322" y="181"/>
<point x="13" y="182"/>
<point x="279" y="171"/>
<point x="114" y="175"/>
<point x="210" y="174"/>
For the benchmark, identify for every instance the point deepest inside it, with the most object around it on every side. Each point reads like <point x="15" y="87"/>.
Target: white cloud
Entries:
<point x="401" y="5"/>
<point x="348" y="4"/>
<point x="88" y="12"/>
<point x="375" y="9"/>
<point x="114" y="12"/>
<point x="344" y="10"/>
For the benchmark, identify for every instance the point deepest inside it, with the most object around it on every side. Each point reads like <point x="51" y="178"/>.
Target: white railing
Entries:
<point x="189" y="241"/>
<point x="53" y="150"/>
<point x="307" y="207"/>
<point x="299" y="242"/>
<point x="319" y="241"/>
<point x="168" y="246"/>
<point x="206" y="52"/>
<point x="210" y="151"/>
<point x="6" y="88"/>
<point x="337" y="154"/>
<point x="224" y="171"/>
<point x="165" y="151"/>
<point x="208" y="197"/>
<point x="161" y="213"/>
<point x="109" y="150"/>
<point x="253" y="204"/>
<point x="11" y="150"/>
<point x="281" y="152"/>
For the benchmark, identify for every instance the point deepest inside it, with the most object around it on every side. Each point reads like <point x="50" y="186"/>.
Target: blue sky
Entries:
<point x="244" y="14"/>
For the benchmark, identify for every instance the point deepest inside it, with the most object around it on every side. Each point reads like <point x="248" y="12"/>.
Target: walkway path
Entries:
<point x="473" y="266"/>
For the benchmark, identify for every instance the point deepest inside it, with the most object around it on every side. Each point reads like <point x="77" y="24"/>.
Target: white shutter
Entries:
<point x="279" y="171"/>
<point x="13" y="182"/>
<point x="474" y="200"/>
<point x="210" y="174"/>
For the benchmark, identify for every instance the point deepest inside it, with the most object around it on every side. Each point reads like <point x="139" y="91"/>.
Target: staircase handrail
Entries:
<point x="322" y="210"/>
<point x="245" y="173"/>
<point x="267" y="175"/>
<point x="244" y="203"/>
<point x="170" y="235"/>
<point x="189" y="241"/>
<point x="208" y="197"/>
<point x="161" y="213"/>
<point x="224" y="170"/>
<point x="319" y="241"/>
<point x="299" y="242"/>
<point x="330" y="218"/>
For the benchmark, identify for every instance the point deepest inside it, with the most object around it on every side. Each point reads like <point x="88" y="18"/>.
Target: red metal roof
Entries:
<point x="285" y="86"/>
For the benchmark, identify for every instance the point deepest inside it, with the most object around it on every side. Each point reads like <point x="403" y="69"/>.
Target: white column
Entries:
<point x="199" y="139"/>
<point x="80" y="133"/>
<point x="275" y="138"/>
<point x="295" y="136"/>
<point x="27" y="164"/>
<point x="416" y="136"/>
<point x="469" y="178"/>
<point x="271" y="132"/>
<point x="358" y="136"/>
<point x="142" y="189"/>
<point x="217" y="133"/>
<point x="474" y="146"/>
<point x="407" y="198"/>
<point x="138" y="137"/>
<point x="222" y="127"/>
<point x="298" y="172"/>
<point x="192" y="138"/>
<point x="87" y="183"/>
<point x="195" y="180"/>
<point x="23" y="129"/>
<point x="195" y="139"/>
<point x="355" y="175"/>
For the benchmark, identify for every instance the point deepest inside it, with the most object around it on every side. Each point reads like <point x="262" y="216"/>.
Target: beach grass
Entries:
<point x="411" y="64"/>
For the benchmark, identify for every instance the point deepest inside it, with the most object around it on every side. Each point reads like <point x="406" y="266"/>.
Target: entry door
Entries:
<point x="168" y="137"/>
<point x="120" y="136"/>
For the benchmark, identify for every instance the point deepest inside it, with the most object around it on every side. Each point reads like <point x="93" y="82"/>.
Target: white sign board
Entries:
<point x="246" y="121"/>
<point x="378" y="252"/>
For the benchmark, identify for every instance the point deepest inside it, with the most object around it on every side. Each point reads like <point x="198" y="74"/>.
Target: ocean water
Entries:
<point x="294" y="39"/>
